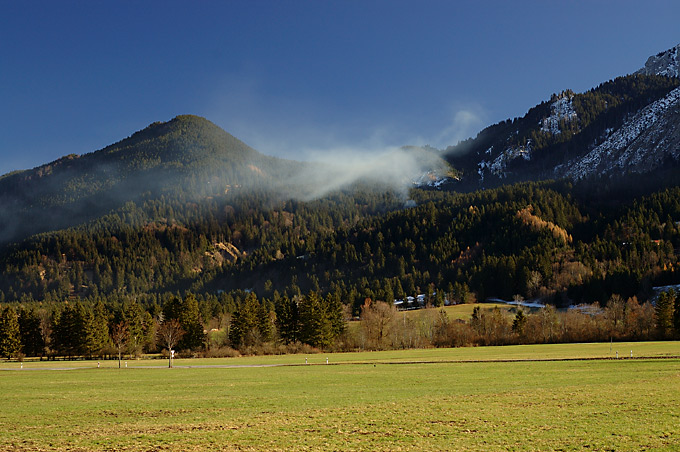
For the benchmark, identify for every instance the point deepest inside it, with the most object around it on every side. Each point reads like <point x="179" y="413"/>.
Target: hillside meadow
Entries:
<point x="548" y="397"/>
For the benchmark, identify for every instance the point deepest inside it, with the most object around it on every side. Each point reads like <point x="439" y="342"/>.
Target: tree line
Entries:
<point x="313" y="322"/>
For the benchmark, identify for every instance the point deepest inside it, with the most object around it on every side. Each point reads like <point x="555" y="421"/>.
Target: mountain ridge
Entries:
<point x="567" y="132"/>
<point x="158" y="212"/>
<point x="663" y="63"/>
<point x="187" y="150"/>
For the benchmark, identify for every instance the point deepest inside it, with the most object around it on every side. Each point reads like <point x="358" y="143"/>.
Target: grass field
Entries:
<point x="464" y="311"/>
<point x="492" y="398"/>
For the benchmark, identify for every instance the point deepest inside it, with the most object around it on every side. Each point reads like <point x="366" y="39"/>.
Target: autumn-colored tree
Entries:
<point x="376" y="321"/>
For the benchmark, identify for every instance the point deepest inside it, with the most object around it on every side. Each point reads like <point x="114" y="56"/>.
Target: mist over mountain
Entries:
<point x="551" y="205"/>
<point x="188" y="154"/>
<point x="192" y="157"/>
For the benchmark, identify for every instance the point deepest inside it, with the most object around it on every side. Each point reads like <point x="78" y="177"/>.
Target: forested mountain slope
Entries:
<point x="188" y="154"/>
<point x="529" y="240"/>
<point x="626" y="125"/>
<point x="183" y="206"/>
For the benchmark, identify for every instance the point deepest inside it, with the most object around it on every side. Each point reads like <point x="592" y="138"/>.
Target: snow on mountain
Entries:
<point x="638" y="131"/>
<point x="561" y="110"/>
<point x="432" y="179"/>
<point x="643" y="143"/>
<point x="664" y="63"/>
<point x="498" y="165"/>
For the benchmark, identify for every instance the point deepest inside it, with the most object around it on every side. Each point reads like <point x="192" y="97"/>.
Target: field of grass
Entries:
<point x="435" y="399"/>
<point x="463" y="311"/>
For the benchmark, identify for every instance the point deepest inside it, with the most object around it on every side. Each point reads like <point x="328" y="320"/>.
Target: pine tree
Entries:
<point x="676" y="316"/>
<point x="10" y="335"/>
<point x="336" y="315"/>
<point x="98" y="337"/>
<point x="519" y="323"/>
<point x="95" y="329"/>
<point x="244" y="324"/>
<point x="31" y="334"/>
<point x="665" y="305"/>
<point x="132" y="315"/>
<point x="315" y="327"/>
<point x="190" y="320"/>
<point x="264" y="324"/>
<point x="288" y="319"/>
<point x="69" y="330"/>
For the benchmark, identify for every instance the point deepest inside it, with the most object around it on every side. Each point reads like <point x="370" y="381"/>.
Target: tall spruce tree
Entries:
<point x="665" y="305"/>
<point x="190" y="320"/>
<point x="32" y="339"/>
<point x="245" y="323"/>
<point x="133" y="316"/>
<point x="316" y="328"/>
<point x="69" y="330"/>
<point x="265" y="324"/>
<point x="10" y="335"/>
<point x="336" y="315"/>
<point x="676" y="316"/>
<point x="288" y="319"/>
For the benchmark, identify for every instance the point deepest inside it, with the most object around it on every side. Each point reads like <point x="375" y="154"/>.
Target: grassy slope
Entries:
<point x="568" y="405"/>
<point x="464" y="311"/>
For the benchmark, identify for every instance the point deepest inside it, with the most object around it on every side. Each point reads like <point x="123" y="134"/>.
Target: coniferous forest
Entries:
<point x="210" y="262"/>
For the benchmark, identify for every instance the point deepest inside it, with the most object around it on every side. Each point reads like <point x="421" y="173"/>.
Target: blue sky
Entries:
<point x="291" y="77"/>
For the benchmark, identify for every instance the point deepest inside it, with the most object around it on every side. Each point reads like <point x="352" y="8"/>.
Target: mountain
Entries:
<point x="183" y="207"/>
<point x="188" y="154"/>
<point x="664" y="63"/>
<point x="628" y="125"/>
<point x="645" y="142"/>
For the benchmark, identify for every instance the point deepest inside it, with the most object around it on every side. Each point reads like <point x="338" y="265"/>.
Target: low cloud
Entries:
<point x="393" y="168"/>
<point x="464" y="124"/>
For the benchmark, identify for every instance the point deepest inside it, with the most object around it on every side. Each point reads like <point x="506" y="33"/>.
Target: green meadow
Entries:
<point x="546" y="397"/>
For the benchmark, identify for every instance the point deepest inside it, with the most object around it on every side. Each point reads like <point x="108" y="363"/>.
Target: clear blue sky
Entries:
<point x="287" y="77"/>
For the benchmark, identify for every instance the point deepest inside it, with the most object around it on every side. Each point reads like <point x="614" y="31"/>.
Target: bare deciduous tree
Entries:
<point x="119" y="336"/>
<point x="169" y="334"/>
<point x="376" y="320"/>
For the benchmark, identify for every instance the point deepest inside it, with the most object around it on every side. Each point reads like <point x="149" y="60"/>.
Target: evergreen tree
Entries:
<point x="336" y="316"/>
<point x="245" y="323"/>
<point x="10" y="335"/>
<point x="31" y="333"/>
<point x="186" y="312"/>
<point x="69" y="330"/>
<point x="315" y="325"/>
<point x="265" y="324"/>
<point x="288" y="319"/>
<point x="190" y="320"/>
<point x="519" y="323"/>
<point x="132" y="315"/>
<point x="95" y="323"/>
<point x="665" y="305"/>
<point x="676" y="316"/>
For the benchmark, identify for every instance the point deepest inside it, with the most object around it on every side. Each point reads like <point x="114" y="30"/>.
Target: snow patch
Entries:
<point x="664" y="64"/>
<point x="524" y="303"/>
<point x="498" y="165"/>
<point x="561" y="110"/>
<point x="616" y="150"/>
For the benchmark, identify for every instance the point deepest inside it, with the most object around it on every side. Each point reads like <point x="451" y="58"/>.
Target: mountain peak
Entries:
<point x="663" y="63"/>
